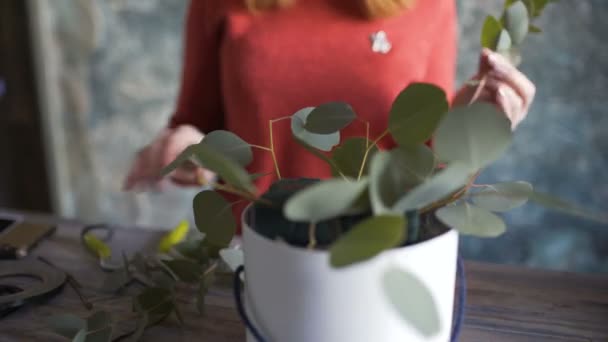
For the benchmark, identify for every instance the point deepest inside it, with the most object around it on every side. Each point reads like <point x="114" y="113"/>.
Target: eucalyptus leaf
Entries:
<point x="490" y="32"/>
<point x="142" y="323"/>
<point x="314" y="151"/>
<point x="367" y="239"/>
<point x="156" y="302"/>
<point x="115" y="281"/>
<point x="229" y="145"/>
<point x="80" y="336"/>
<point x="416" y="162"/>
<point x="475" y="135"/>
<point x="412" y="299"/>
<point x="534" y="29"/>
<point x="504" y="42"/>
<point x="232" y="257"/>
<point x="517" y="21"/>
<point x="471" y="220"/>
<point x="329" y="118"/>
<point x="186" y="155"/>
<point x="323" y="142"/>
<point x="98" y="320"/>
<point x="213" y="217"/>
<point x="101" y="335"/>
<point x="66" y="325"/>
<point x="324" y="200"/>
<point x="186" y="270"/>
<point x="383" y="187"/>
<point x="193" y="249"/>
<point x="435" y="188"/>
<point x="503" y="196"/>
<point x="348" y="157"/>
<point x="416" y="112"/>
<point x="557" y="204"/>
<point x="226" y="168"/>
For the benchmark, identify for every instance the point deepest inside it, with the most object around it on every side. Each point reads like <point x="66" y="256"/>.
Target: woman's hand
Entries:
<point x="146" y="169"/>
<point x="505" y="86"/>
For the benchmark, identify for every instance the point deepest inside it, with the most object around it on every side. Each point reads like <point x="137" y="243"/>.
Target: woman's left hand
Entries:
<point x="505" y="86"/>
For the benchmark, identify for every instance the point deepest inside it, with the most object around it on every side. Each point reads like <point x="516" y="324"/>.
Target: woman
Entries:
<point x="250" y="61"/>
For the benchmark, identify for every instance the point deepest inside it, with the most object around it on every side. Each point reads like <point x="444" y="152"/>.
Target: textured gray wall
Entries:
<point x="118" y="70"/>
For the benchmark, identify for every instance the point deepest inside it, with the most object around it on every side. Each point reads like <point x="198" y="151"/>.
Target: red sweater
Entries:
<point x="242" y="70"/>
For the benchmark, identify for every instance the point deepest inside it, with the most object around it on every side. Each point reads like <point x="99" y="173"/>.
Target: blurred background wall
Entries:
<point x="110" y="73"/>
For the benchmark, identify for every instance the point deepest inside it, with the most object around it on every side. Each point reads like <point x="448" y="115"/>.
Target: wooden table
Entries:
<point x="510" y="304"/>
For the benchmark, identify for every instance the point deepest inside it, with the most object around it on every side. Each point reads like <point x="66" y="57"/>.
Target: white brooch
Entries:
<point x="380" y="43"/>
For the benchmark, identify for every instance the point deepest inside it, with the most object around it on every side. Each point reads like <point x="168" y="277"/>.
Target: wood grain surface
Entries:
<point x="505" y="303"/>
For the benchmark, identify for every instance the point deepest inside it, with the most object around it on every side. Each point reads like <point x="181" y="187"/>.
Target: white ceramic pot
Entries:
<point x="294" y="295"/>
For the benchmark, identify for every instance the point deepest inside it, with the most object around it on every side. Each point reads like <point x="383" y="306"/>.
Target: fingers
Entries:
<point x="147" y="167"/>
<point x="503" y="70"/>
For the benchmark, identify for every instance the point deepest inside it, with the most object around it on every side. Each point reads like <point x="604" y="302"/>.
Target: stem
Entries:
<point x="274" y="155"/>
<point x="234" y="191"/>
<point x="456" y="196"/>
<point x="260" y="147"/>
<point x="210" y="269"/>
<point x="478" y="90"/>
<point x="312" y="241"/>
<point x="375" y="143"/>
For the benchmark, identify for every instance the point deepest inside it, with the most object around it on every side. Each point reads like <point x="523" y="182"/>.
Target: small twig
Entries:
<point x="72" y="282"/>
<point x="479" y="89"/>
<point x="312" y="239"/>
<point x="210" y="269"/>
<point x="272" y="152"/>
<point x="368" y="150"/>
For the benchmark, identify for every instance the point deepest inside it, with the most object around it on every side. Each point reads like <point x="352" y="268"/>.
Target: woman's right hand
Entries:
<point x="147" y="166"/>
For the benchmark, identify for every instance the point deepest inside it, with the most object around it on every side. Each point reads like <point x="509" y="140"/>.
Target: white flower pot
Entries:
<point x="294" y="295"/>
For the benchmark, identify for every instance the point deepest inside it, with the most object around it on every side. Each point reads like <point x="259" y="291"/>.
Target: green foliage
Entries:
<point x="416" y="113"/>
<point x="186" y="270"/>
<point x="503" y="196"/>
<point x="229" y="145"/>
<point x="329" y="118"/>
<point x="490" y="32"/>
<point x="213" y="217"/>
<point x="324" y="200"/>
<point x="410" y="297"/>
<point x="471" y="220"/>
<point x="476" y="135"/>
<point x="517" y="22"/>
<point x="348" y="157"/>
<point x="323" y="142"/>
<point x="96" y="328"/>
<point x="367" y="239"/>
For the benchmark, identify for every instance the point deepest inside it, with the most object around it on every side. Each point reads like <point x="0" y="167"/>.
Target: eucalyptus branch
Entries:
<point x="312" y="240"/>
<point x="272" y="152"/>
<point x="451" y="199"/>
<point x="368" y="150"/>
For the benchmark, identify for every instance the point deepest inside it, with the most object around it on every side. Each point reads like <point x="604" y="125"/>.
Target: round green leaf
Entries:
<point x="415" y="162"/>
<point x="471" y="220"/>
<point x="348" y="157"/>
<point x="504" y="42"/>
<point x="394" y="173"/>
<point x="324" y="200"/>
<point x="213" y="217"/>
<point x="490" y="32"/>
<point x="381" y="190"/>
<point x="102" y="335"/>
<point x="503" y="196"/>
<point x="416" y="113"/>
<point x="66" y="325"/>
<point x="517" y="21"/>
<point x="367" y="239"/>
<point x="410" y="297"/>
<point x="98" y="320"/>
<point x="329" y="118"/>
<point x="475" y="135"/>
<point x="181" y="158"/>
<point x="186" y="270"/>
<point x="323" y="142"/>
<point x="230" y="145"/>
<point x="226" y="168"/>
<point x="435" y="188"/>
<point x="80" y="336"/>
